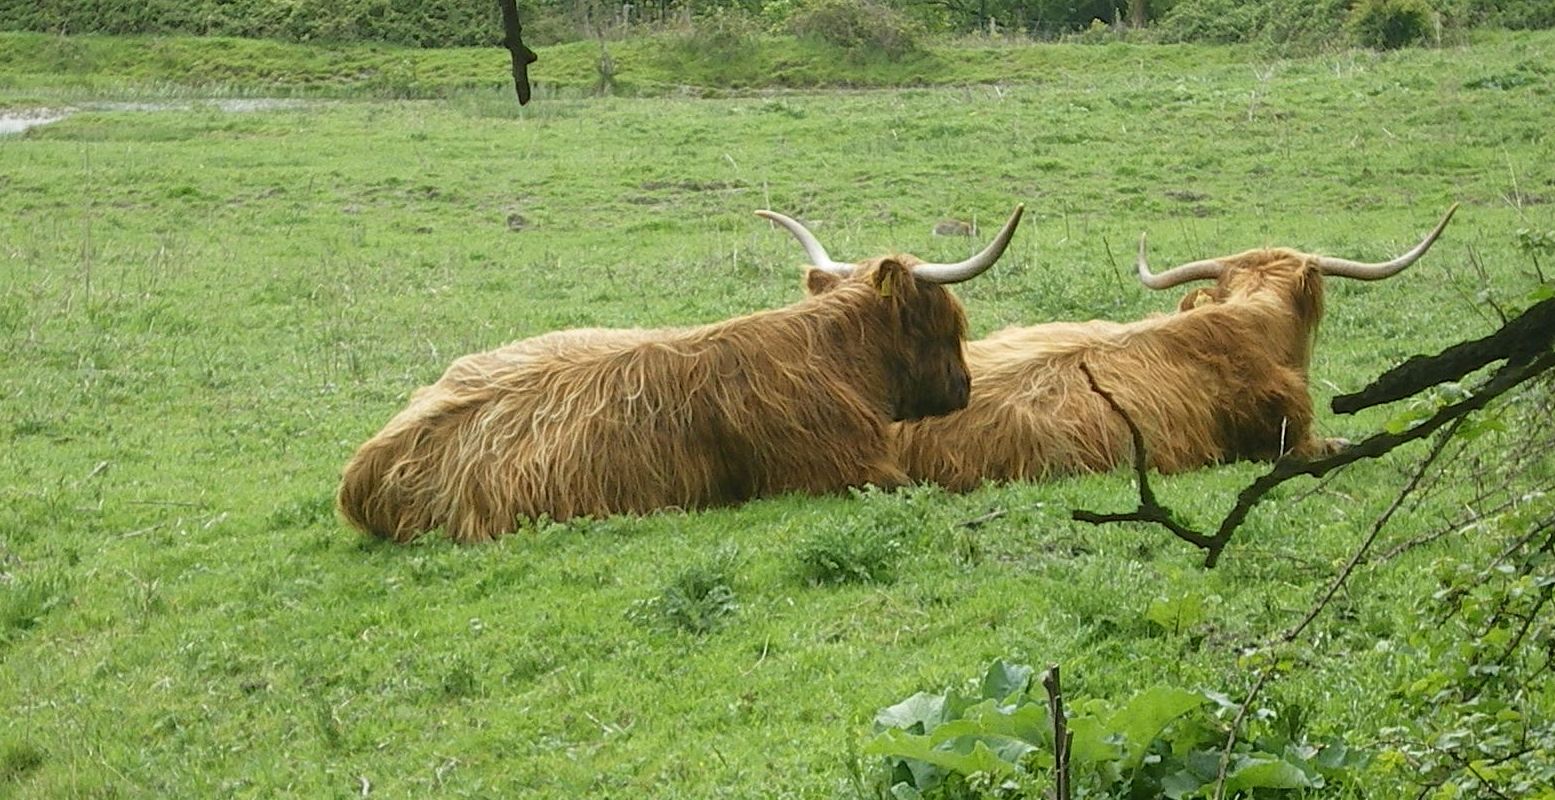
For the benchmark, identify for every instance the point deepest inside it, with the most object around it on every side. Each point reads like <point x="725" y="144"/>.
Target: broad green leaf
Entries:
<point x="1336" y="761"/>
<point x="1406" y="418"/>
<point x="1093" y="743"/>
<point x="1145" y="716"/>
<point x="903" y="791"/>
<point x="921" y="713"/>
<point x="1181" y="784"/>
<point x="901" y="744"/>
<point x="1029" y="722"/>
<point x="1177" y="614"/>
<point x="1266" y="774"/>
<point x="1204" y="763"/>
<point x="1004" y="680"/>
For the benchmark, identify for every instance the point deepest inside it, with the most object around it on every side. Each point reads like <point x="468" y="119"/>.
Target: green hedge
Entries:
<point x="452" y="23"/>
<point x="423" y="23"/>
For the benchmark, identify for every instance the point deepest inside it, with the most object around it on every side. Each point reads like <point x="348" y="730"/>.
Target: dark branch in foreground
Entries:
<point x="513" y="40"/>
<point x="1519" y="341"/>
<point x="1062" y="738"/>
<point x="1376" y="529"/>
<point x="1508" y="376"/>
<point x="1149" y="509"/>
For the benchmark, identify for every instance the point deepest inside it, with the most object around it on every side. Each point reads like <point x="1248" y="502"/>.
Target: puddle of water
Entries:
<point x="19" y="120"/>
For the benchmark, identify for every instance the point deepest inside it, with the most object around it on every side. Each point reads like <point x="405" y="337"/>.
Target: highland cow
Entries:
<point x="596" y="422"/>
<point x="1223" y="379"/>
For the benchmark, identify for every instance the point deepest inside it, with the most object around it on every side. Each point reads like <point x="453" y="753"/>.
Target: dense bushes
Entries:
<point x="890" y="27"/>
<point x="1278" y="22"/>
<point x="424" y="23"/>
<point x="863" y="26"/>
<point x="1389" y="24"/>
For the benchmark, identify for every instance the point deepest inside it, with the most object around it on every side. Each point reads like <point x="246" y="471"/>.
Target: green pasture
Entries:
<point x="202" y="313"/>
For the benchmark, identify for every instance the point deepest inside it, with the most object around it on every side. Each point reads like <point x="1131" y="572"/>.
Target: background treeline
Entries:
<point x="891" y="24"/>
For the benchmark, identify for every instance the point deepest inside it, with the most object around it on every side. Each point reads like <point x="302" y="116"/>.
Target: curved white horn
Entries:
<point x="976" y="265"/>
<point x="1373" y="272"/>
<point x="812" y="246"/>
<point x="1208" y="269"/>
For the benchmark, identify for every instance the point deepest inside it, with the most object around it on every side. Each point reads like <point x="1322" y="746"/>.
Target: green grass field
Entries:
<point x="202" y="313"/>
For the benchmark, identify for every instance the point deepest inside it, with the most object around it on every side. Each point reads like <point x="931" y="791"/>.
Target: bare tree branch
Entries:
<point x="1510" y="375"/>
<point x="1376" y="528"/>
<point x="513" y="40"/>
<point x="1149" y="510"/>
<point x="1518" y="341"/>
<point x="1062" y="738"/>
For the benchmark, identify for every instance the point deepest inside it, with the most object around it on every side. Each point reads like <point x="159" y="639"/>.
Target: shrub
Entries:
<point x="863" y="547"/>
<point x="1389" y="24"/>
<point x="722" y="33"/>
<point x="431" y="23"/>
<point x="861" y="26"/>
<point x="993" y="738"/>
<point x="1277" y="22"/>
<point x="1515" y="14"/>
<point x="698" y="600"/>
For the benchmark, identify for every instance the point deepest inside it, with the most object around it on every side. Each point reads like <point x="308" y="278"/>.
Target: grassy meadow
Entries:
<point x="202" y="314"/>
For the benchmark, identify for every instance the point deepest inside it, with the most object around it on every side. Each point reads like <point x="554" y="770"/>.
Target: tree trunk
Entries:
<point x="1137" y="12"/>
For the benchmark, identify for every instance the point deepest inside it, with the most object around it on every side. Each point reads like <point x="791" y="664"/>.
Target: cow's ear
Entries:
<point x="1194" y="299"/>
<point x="892" y="277"/>
<point x="819" y="282"/>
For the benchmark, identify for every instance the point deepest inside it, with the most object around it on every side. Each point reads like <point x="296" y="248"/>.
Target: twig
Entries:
<point x="1149" y="509"/>
<point x="1376" y="529"/>
<point x="1236" y="724"/>
<point x="1062" y="738"/>
<point x="141" y="531"/>
<point x="979" y="521"/>
<point x="1518" y="341"/>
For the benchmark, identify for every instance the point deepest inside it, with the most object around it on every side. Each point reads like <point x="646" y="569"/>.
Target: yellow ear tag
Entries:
<point x="885" y="284"/>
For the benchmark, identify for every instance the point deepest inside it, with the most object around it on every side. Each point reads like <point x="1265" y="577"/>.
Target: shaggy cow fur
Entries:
<point x="596" y="422"/>
<point x="1223" y="379"/>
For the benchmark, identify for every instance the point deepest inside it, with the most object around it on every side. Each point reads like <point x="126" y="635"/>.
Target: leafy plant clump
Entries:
<point x="1389" y="24"/>
<point x="995" y="738"/>
<point x="699" y="600"/>
<point x="852" y="551"/>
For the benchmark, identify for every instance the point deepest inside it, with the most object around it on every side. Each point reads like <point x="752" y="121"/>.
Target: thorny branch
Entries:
<point x="1150" y="510"/>
<point x="1518" y="341"/>
<point x="1236" y="725"/>
<point x="1333" y="589"/>
<point x="1376" y="528"/>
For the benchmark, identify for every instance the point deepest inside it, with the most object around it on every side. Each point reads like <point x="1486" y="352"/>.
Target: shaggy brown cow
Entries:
<point x="1223" y="379"/>
<point x="595" y="422"/>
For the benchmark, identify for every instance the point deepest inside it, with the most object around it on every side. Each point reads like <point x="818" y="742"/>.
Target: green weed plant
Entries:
<point x="995" y="738"/>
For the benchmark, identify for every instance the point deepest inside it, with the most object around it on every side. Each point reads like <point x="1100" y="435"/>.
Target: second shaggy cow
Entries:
<point x="1223" y="379"/>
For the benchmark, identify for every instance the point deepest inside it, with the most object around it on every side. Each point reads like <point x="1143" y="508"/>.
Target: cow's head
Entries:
<point x="1283" y="281"/>
<point x="925" y="324"/>
<point x="1279" y="271"/>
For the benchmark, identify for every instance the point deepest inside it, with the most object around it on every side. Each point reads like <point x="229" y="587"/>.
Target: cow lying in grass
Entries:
<point x="1223" y="379"/>
<point x="596" y="422"/>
